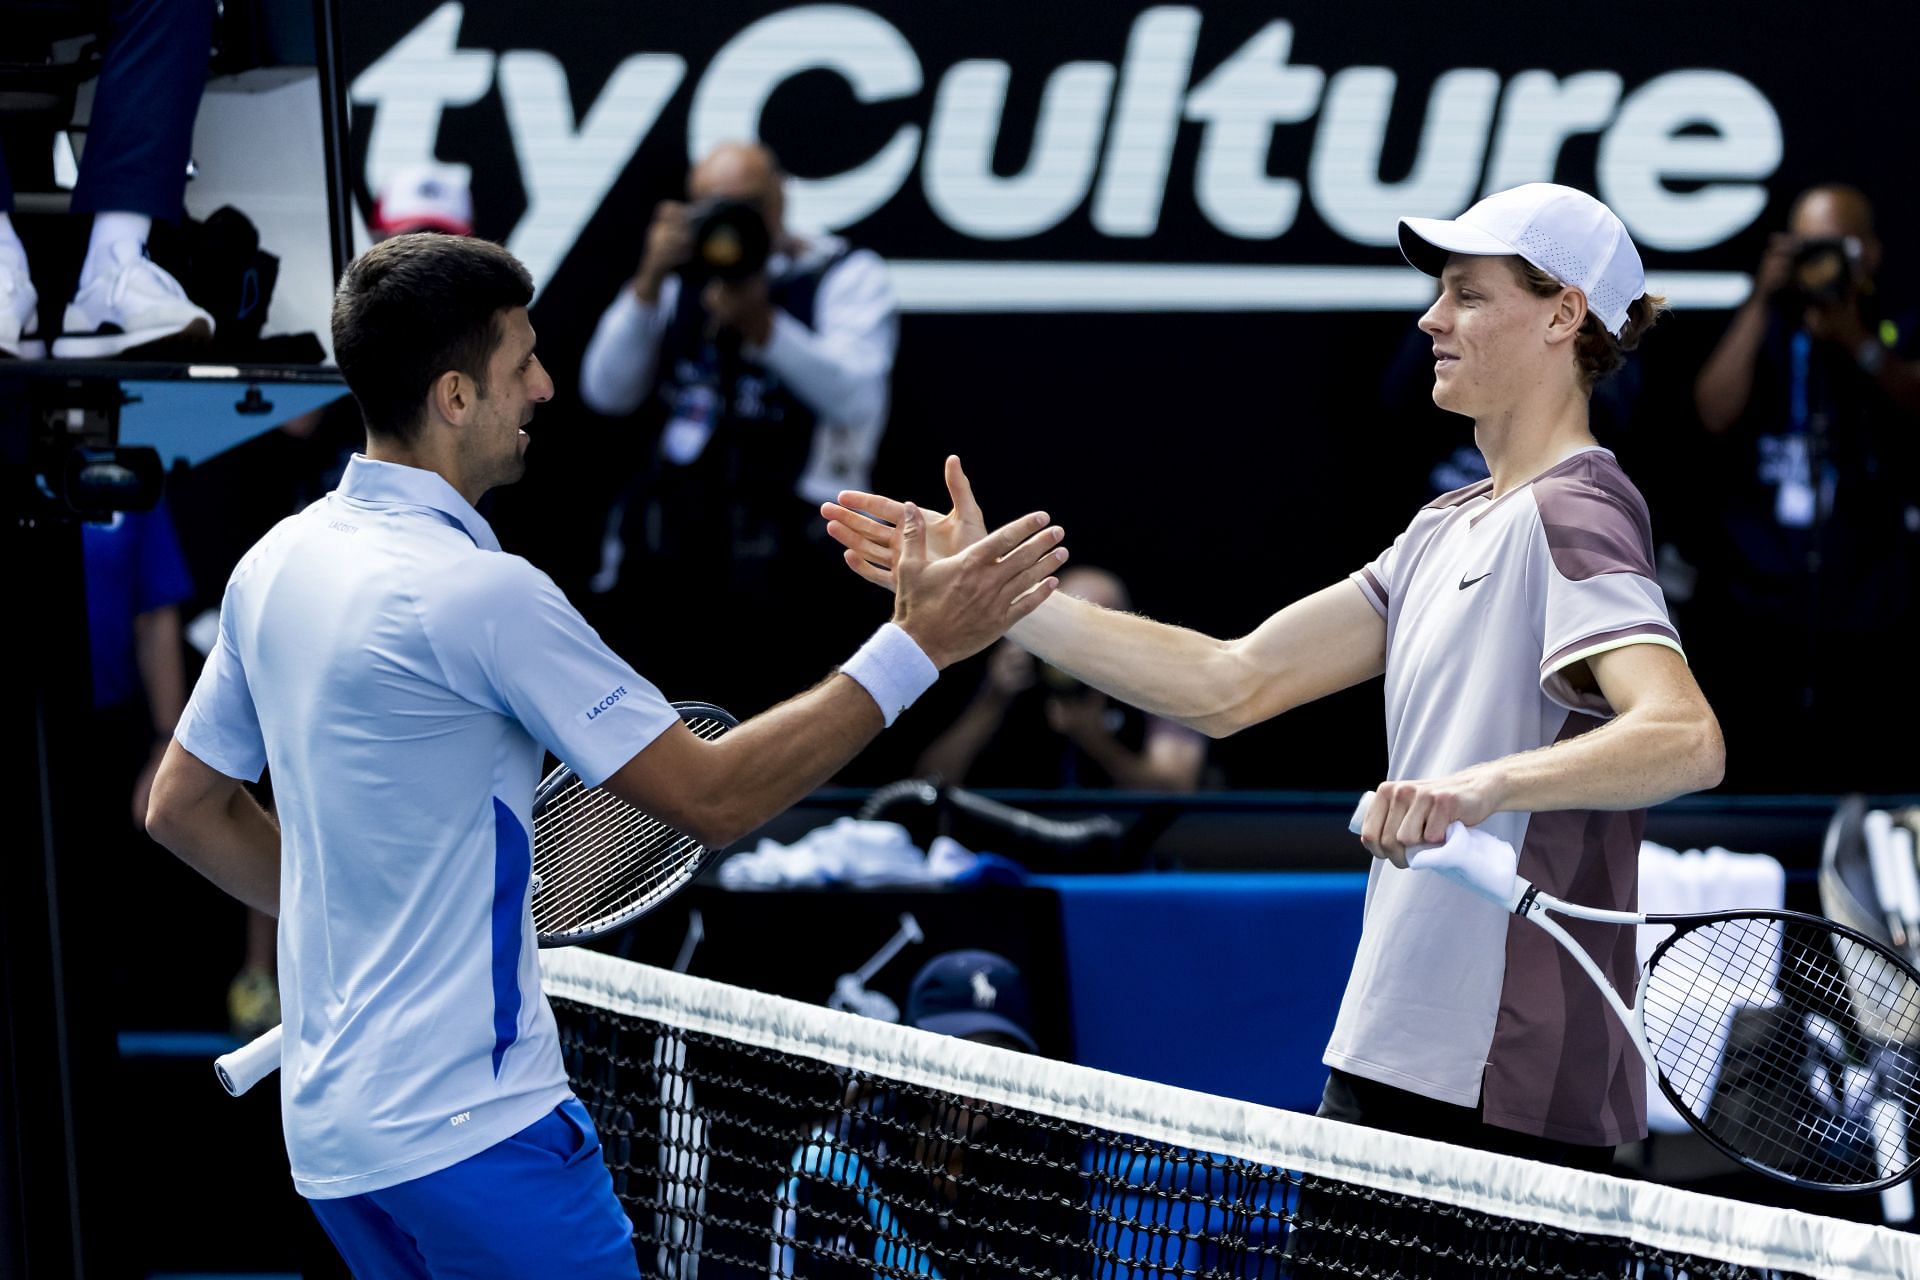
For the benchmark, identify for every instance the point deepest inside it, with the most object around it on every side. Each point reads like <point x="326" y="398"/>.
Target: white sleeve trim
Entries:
<point x="1562" y="694"/>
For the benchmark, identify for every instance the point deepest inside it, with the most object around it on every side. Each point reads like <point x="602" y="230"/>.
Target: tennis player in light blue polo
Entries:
<point x="401" y="676"/>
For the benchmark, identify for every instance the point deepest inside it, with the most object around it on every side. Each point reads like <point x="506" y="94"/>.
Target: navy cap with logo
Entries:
<point x="968" y="993"/>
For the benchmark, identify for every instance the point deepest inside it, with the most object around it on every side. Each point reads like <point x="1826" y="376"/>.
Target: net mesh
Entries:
<point x="753" y="1136"/>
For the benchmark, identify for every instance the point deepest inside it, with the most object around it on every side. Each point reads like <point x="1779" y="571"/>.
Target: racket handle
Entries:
<point x="248" y="1065"/>
<point x="1360" y="813"/>
<point x="1360" y="816"/>
<point x="1475" y="860"/>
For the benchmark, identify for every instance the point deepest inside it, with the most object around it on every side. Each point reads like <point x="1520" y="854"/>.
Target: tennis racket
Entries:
<point x="1788" y="1041"/>
<point x="599" y="864"/>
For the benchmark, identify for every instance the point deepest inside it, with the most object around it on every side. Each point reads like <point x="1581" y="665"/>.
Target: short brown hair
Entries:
<point x="413" y="307"/>
<point x="1596" y="353"/>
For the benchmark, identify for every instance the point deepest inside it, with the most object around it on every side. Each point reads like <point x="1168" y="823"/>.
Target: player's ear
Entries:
<point x="450" y="397"/>
<point x="1569" y="314"/>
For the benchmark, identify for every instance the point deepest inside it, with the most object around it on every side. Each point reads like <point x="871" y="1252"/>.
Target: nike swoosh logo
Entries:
<point x="1466" y="582"/>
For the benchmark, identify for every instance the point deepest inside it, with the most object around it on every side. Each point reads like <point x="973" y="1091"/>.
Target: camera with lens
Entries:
<point x="730" y="240"/>
<point x="1824" y="270"/>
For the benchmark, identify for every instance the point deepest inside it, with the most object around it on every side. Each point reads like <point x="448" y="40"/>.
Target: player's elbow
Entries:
<point x="169" y="818"/>
<point x="159" y="820"/>
<point x="1232" y="693"/>
<point x="1709" y="753"/>
<point x="1219" y="724"/>
<point x="724" y="834"/>
<point x="717" y="824"/>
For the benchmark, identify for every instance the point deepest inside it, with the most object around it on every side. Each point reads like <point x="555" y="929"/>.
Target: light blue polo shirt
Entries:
<point x="400" y="675"/>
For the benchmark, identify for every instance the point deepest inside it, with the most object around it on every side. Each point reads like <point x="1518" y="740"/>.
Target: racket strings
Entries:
<point x="613" y="854"/>
<point x="600" y="861"/>
<point x="610" y="851"/>
<point x="613" y="860"/>
<point x="1790" y="1043"/>
<point x="593" y="830"/>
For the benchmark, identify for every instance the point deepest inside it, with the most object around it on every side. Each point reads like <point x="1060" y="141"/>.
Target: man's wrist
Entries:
<point x="1496" y="781"/>
<point x="893" y="669"/>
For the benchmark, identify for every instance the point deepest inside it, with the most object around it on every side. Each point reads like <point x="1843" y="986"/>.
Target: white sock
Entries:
<point x="12" y="252"/>
<point x="118" y="238"/>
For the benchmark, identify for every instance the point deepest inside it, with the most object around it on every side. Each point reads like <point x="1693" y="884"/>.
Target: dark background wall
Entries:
<point x="1223" y="461"/>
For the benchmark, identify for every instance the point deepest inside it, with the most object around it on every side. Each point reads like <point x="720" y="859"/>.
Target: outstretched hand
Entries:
<point x="957" y="605"/>
<point x="868" y="526"/>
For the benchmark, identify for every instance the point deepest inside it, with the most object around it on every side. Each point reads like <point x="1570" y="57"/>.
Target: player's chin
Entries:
<point x="1447" y="396"/>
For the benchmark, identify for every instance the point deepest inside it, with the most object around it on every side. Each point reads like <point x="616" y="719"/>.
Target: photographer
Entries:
<point x="762" y="360"/>
<point x="1031" y="725"/>
<point x="1813" y="398"/>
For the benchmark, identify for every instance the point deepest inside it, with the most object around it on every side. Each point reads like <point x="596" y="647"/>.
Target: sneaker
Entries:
<point x="253" y="1003"/>
<point x="19" y="316"/>
<point x="129" y="306"/>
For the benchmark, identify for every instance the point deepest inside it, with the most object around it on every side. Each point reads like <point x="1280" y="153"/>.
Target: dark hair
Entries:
<point x="413" y="307"/>
<point x="1596" y="353"/>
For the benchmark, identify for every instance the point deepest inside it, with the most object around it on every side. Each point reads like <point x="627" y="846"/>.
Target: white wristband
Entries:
<point x="892" y="669"/>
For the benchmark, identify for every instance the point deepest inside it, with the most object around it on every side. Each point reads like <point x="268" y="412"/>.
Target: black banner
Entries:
<point x="1145" y="254"/>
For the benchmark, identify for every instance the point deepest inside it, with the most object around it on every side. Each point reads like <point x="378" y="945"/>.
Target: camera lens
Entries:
<point x="730" y="240"/>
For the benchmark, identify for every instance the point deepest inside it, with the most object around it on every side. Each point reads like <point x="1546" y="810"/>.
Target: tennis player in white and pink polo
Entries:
<point x="1534" y="685"/>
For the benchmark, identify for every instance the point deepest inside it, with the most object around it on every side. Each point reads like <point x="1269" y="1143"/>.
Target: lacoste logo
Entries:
<point x="593" y="712"/>
<point x="1466" y="582"/>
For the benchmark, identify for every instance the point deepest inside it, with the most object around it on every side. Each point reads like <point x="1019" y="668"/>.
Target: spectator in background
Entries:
<point x="892" y="1181"/>
<point x="134" y="169"/>
<point x="767" y="394"/>
<point x="1813" y="394"/>
<point x="136" y="581"/>
<point x="1033" y="726"/>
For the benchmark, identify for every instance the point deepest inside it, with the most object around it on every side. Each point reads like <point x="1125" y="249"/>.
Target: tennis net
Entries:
<point x="750" y="1135"/>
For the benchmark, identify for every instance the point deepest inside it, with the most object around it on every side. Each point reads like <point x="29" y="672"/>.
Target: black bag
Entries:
<point x="230" y="275"/>
<point x="220" y="263"/>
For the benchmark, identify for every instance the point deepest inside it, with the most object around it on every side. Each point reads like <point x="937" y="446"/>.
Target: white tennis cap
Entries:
<point x="1566" y="233"/>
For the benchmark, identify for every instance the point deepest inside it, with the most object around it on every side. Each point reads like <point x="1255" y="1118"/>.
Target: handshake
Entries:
<point x="957" y="587"/>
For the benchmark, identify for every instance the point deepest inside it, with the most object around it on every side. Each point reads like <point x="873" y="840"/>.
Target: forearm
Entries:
<point x="777" y="759"/>
<point x="1328" y="641"/>
<point x="1167" y="670"/>
<point x="232" y="842"/>
<point x="1725" y="383"/>
<point x="952" y="754"/>
<point x="156" y="636"/>
<point x="1639" y="760"/>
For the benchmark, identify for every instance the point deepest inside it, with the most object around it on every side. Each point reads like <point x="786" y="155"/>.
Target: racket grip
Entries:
<point x="248" y="1065"/>
<point x="1360" y="813"/>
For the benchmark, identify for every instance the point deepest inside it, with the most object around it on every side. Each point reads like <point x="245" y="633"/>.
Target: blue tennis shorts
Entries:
<point x="540" y="1203"/>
